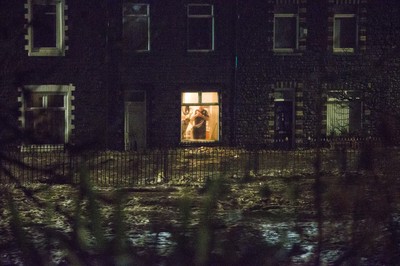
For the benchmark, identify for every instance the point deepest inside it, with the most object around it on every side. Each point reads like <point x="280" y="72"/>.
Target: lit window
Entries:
<point x="200" y="27"/>
<point x="46" y="113"/>
<point x="46" y="28"/>
<point x="200" y="116"/>
<point x="343" y="116"/>
<point x="136" y="26"/>
<point x="285" y="32"/>
<point x="344" y="33"/>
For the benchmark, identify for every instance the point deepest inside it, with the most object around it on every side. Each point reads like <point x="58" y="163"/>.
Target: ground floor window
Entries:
<point x="46" y="113"/>
<point x="200" y="113"/>
<point x="343" y="115"/>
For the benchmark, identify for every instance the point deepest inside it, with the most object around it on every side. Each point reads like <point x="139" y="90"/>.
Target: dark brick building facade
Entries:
<point x="308" y="78"/>
<point x="77" y="64"/>
<point x="134" y="74"/>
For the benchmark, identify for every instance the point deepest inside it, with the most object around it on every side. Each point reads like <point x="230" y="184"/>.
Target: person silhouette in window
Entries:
<point x="200" y="118"/>
<point x="186" y="115"/>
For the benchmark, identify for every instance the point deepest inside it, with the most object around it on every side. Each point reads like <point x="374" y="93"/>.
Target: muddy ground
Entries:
<point x="248" y="221"/>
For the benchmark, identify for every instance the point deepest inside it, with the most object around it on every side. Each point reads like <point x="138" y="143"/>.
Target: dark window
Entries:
<point x="44" y="25"/>
<point x="45" y="119"/>
<point x="285" y="32"/>
<point x="345" y="33"/>
<point x="199" y="10"/>
<point x="136" y="26"/>
<point x="200" y="27"/>
<point x="46" y="126"/>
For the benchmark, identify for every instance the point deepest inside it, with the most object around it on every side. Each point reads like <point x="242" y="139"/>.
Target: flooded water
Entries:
<point x="279" y="240"/>
<point x="158" y="232"/>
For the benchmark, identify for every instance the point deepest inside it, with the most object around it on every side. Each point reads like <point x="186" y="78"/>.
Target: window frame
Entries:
<point x="334" y="33"/>
<point x="191" y="16"/>
<point x="147" y="15"/>
<point x="344" y="102"/>
<point x="200" y="102"/>
<point x="286" y="50"/>
<point x="60" y="47"/>
<point x="46" y="90"/>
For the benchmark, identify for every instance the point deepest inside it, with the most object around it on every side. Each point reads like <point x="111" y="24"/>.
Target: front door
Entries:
<point x="135" y="120"/>
<point x="284" y="122"/>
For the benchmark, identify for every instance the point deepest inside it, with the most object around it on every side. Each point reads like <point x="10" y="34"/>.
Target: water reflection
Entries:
<point x="242" y="237"/>
<point x="161" y="242"/>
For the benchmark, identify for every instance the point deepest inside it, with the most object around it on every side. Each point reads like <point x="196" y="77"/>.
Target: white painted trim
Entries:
<point x="66" y="90"/>
<point x="60" y="47"/>
<point x="343" y="49"/>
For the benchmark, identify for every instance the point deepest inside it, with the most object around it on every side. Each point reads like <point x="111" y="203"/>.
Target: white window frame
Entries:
<point x="65" y="90"/>
<point x="286" y="15"/>
<point x="59" y="48"/>
<point x="194" y="16"/>
<point x="200" y="102"/>
<point x="344" y="104"/>
<point x="147" y="15"/>
<point x="344" y="49"/>
<point x="331" y="126"/>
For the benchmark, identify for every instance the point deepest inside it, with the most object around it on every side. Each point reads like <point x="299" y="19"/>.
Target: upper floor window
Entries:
<point x="46" y="113"/>
<point x="46" y="28"/>
<point x="344" y="33"/>
<point x="200" y="116"/>
<point x="200" y="27"/>
<point x="285" y="32"/>
<point x="136" y="26"/>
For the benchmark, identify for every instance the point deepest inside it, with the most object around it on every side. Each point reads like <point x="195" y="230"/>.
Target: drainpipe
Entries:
<point x="108" y="83"/>
<point x="235" y="69"/>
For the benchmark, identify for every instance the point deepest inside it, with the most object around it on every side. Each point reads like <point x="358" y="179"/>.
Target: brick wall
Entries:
<point x="169" y="69"/>
<point x="317" y="67"/>
<point x="83" y="65"/>
<point x="101" y="71"/>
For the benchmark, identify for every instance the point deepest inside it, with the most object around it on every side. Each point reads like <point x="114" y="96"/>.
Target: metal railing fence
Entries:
<point x="174" y="166"/>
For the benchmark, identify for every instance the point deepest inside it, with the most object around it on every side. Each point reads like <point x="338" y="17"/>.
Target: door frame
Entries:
<point x="128" y="101"/>
<point x="286" y="95"/>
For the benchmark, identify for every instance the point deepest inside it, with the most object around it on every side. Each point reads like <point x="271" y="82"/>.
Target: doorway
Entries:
<point x="135" y="120"/>
<point x="284" y="120"/>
